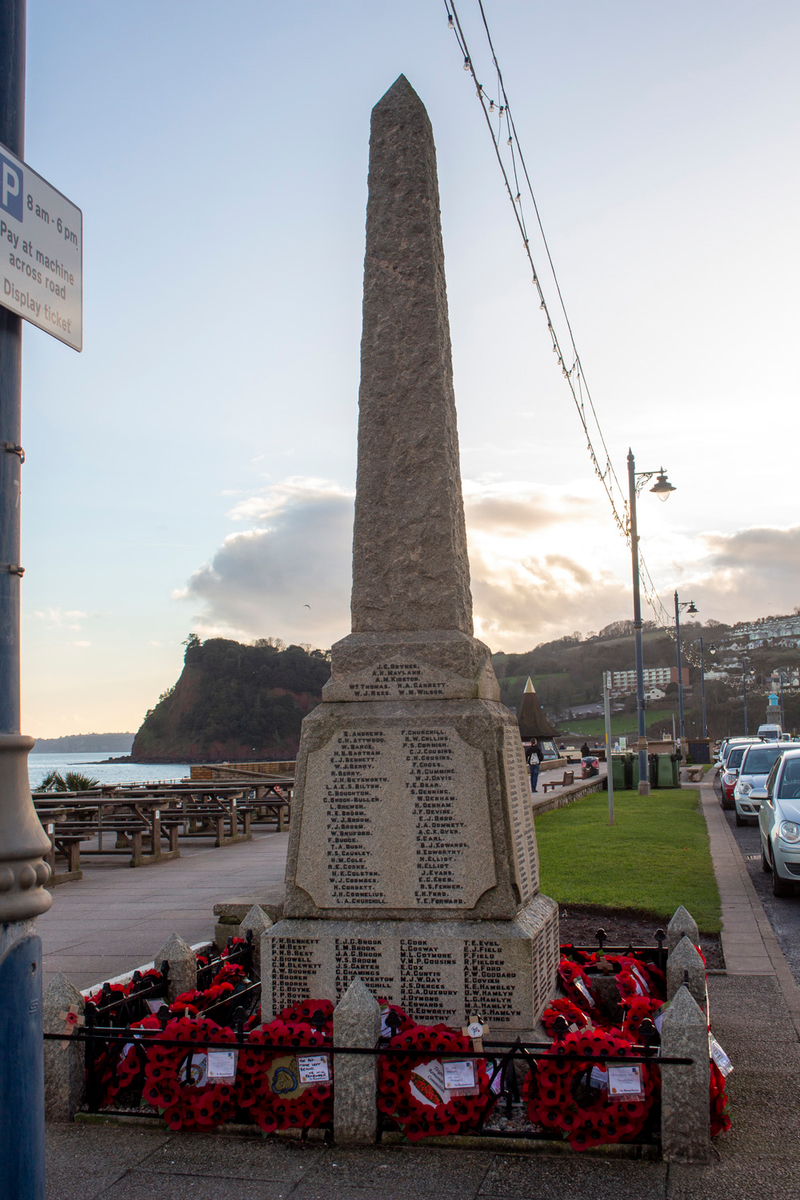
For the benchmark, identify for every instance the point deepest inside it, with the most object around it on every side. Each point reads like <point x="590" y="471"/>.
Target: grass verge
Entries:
<point x="622" y="724"/>
<point x="655" y="856"/>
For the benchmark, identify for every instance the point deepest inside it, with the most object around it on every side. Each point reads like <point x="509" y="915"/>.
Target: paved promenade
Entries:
<point x="754" y="1013"/>
<point x="116" y="917"/>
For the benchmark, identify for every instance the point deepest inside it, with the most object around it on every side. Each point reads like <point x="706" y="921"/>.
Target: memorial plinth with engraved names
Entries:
<point x="412" y="852"/>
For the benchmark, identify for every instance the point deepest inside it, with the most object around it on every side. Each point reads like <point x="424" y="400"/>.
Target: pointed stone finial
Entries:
<point x="259" y="921"/>
<point x="356" y="1022"/>
<point x="529" y="685"/>
<point x="410" y="566"/>
<point x="682" y="923"/>
<point x="182" y="966"/>
<point x="684" y="1090"/>
<point x="684" y="965"/>
<point x="64" y="1071"/>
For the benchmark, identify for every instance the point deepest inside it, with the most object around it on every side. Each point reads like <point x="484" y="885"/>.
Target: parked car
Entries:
<point x="779" y="824"/>
<point x="728" y="743"/>
<point x="750" y="787"/>
<point x="730" y="769"/>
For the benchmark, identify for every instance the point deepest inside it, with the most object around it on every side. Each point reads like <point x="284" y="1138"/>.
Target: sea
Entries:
<point x="90" y="762"/>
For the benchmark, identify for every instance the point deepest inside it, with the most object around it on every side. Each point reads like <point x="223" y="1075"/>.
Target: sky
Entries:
<point x="193" y="468"/>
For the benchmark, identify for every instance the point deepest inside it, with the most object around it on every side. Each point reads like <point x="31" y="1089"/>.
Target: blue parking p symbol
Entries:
<point x="10" y="188"/>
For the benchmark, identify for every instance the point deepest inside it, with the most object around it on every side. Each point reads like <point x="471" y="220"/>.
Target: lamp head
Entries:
<point x="691" y="608"/>
<point x="662" y="486"/>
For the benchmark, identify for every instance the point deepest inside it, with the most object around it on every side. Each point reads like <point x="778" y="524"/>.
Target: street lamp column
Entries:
<point x="745" y="662"/>
<point x="690" y="607"/>
<point x="662" y="488"/>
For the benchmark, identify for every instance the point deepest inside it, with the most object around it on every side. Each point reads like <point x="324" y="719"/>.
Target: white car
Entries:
<point x="750" y="788"/>
<point x="779" y="824"/>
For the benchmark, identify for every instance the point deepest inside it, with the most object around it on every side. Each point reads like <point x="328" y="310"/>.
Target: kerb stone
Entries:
<point x="64" y="1062"/>
<point x="357" y="1023"/>
<point x="685" y="1118"/>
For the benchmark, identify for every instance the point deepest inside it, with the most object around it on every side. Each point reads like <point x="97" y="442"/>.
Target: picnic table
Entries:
<point x="134" y="818"/>
<point x="142" y="816"/>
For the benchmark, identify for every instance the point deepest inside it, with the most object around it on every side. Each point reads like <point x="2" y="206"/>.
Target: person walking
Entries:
<point x="534" y="761"/>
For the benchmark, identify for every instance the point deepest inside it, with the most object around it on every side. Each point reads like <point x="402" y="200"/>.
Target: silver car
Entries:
<point x="750" y="787"/>
<point x="779" y="824"/>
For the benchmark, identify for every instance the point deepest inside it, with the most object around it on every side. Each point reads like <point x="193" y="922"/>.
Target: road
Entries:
<point x="783" y="914"/>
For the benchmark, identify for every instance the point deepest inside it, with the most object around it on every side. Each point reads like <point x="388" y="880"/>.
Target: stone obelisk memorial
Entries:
<point x="412" y="853"/>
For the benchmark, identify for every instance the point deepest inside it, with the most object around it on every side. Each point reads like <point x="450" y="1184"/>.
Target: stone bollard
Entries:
<point x="64" y="1062"/>
<point x="682" y="923"/>
<point x="685" y="1112"/>
<point x="356" y="1022"/>
<point x="259" y="922"/>
<point x="182" y="966"/>
<point x="682" y="959"/>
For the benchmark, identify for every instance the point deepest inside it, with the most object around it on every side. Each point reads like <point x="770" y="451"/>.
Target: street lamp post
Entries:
<point x="690" y="608"/>
<point x="745" y="662"/>
<point x="712" y="649"/>
<point x="662" y="489"/>
<point x="702" y="691"/>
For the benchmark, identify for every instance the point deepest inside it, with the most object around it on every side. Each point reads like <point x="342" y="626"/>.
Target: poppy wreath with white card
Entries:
<point x="573" y="1098"/>
<point x="281" y="1086"/>
<point x="180" y="1080"/>
<point x="413" y="1088"/>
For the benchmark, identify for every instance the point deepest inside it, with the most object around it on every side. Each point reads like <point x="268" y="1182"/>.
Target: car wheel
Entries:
<point x="781" y="887"/>
<point x="726" y="803"/>
<point x="739" y="820"/>
<point x="765" y="867"/>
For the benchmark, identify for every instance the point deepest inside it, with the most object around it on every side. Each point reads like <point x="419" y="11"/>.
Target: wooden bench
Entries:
<point x="569" y="777"/>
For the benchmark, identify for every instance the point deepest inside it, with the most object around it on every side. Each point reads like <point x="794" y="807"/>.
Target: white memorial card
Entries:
<point x="719" y="1056"/>
<point x="460" y="1078"/>
<point x="314" y="1068"/>
<point x="222" y="1065"/>
<point x="625" y="1083"/>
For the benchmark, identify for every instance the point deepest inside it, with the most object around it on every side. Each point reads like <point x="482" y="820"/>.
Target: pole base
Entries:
<point x="644" y="788"/>
<point x="23" y="842"/>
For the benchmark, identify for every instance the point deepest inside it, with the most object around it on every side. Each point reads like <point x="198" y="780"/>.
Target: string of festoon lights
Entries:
<point x="511" y="160"/>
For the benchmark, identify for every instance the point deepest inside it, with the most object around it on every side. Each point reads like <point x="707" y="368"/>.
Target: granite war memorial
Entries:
<point x="412" y="858"/>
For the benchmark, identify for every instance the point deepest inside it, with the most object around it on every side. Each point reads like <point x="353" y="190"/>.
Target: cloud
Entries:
<point x="543" y="563"/>
<point x="288" y="575"/>
<point x="504" y="512"/>
<point x="59" y="618"/>
<point x="747" y="574"/>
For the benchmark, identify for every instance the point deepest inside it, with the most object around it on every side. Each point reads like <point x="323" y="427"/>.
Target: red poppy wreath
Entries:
<point x="411" y="1087"/>
<point x="177" y="1079"/>
<point x="562" y="1096"/>
<point x="270" y="1083"/>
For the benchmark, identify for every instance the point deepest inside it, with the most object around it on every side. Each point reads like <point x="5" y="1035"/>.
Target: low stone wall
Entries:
<point x="219" y="771"/>
<point x="572" y="792"/>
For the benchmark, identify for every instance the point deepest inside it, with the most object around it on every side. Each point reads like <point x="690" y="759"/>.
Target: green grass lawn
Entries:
<point x="655" y="856"/>
<point x="621" y="724"/>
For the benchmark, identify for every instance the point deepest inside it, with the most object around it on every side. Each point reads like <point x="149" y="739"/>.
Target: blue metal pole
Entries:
<point x="644" y="782"/>
<point x="22" y="839"/>
<point x="680" y="668"/>
<point x="12" y="135"/>
<point x="702" y="688"/>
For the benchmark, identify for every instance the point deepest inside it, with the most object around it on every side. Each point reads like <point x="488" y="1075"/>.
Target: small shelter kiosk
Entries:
<point x="534" y="725"/>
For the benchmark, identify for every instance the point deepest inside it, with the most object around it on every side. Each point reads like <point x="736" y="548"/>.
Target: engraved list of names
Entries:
<point x="395" y="818"/>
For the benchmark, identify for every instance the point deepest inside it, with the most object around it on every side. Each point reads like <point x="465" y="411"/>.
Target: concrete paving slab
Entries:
<point x="139" y="1185"/>
<point x="83" y="1160"/>
<point x="746" y="1178"/>
<point x="217" y="1156"/>
<point x="406" y="1170"/>
<point x="539" y="1177"/>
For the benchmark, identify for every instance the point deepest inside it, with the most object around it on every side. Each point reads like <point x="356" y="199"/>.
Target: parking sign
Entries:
<point x="41" y="252"/>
